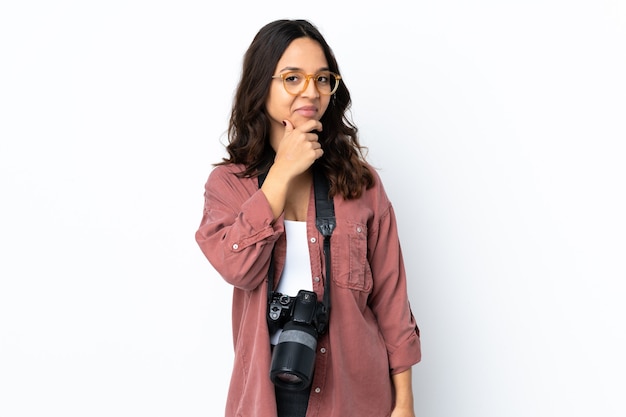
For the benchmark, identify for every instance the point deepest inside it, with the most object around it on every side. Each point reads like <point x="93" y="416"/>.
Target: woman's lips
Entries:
<point x="307" y="111"/>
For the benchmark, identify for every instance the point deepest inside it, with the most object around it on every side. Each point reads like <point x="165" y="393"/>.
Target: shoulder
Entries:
<point x="374" y="171"/>
<point x="227" y="179"/>
<point x="227" y="170"/>
<point x="226" y="174"/>
<point x="225" y="187"/>
<point x="372" y="203"/>
<point x="377" y="190"/>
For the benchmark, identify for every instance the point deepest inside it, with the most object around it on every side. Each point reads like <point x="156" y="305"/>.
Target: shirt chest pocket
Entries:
<point x="351" y="268"/>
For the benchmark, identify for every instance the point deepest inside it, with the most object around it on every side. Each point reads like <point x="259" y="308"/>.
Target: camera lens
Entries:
<point x="288" y="378"/>
<point x="293" y="359"/>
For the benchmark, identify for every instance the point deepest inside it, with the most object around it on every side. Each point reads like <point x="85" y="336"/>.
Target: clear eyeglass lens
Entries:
<point x="326" y="82"/>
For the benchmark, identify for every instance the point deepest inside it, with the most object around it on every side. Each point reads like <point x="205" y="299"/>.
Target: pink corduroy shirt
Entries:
<point x="372" y="333"/>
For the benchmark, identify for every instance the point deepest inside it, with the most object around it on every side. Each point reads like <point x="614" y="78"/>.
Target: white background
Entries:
<point x="499" y="131"/>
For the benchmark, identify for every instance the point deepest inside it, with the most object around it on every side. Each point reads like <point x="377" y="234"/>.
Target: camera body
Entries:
<point x="302" y="319"/>
<point x="303" y="308"/>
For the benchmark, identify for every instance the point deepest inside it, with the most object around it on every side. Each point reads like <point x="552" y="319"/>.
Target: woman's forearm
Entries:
<point x="403" y="385"/>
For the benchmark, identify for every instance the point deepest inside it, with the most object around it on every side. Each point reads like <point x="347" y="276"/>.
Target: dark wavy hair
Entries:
<point x="343" y="161"/>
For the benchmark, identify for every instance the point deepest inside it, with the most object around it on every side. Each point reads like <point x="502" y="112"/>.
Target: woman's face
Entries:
<point x="303" y="55"/>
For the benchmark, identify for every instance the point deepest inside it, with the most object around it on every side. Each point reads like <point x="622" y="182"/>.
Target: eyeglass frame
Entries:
<point x="307" y="78"/>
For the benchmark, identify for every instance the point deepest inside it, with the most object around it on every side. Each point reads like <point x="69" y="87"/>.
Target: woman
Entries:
<point x="288" y="120"/>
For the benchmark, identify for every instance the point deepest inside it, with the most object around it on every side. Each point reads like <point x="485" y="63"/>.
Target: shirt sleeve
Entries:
<point x="389" y="299"/>
<point x="237" y="232"/>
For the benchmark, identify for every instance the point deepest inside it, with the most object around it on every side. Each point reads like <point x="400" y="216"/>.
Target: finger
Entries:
<point x="288" y="127"/>
<point x="310" y="126"/>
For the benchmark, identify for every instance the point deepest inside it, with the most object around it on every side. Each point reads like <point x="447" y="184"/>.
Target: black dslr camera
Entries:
<point x="302" y="319"/>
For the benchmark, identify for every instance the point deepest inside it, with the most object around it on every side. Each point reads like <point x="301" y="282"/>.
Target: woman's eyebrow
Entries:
<point x="301" y="70"/>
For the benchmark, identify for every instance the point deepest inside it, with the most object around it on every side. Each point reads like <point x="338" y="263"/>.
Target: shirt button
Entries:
<point x="359" y="230"/>
<point x="235" y="246"/>
<point x="318" y="390"/>
<point x="316" y="279"/>
<point x="323" y="350"/>
<point x="313" y="240"/>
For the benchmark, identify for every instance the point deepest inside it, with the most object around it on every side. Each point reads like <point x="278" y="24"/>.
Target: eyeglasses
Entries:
<point x="295" y="83"/>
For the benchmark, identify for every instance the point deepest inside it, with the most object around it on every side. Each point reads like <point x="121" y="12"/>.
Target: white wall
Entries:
<point x="499" y="129"/>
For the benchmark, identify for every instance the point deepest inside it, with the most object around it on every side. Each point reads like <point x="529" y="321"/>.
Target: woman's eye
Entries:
<point x="292" y="78"/>
<point x="322" y="79"/>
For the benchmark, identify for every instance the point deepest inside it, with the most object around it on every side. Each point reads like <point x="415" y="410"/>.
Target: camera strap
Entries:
<point x="325" y="223"/>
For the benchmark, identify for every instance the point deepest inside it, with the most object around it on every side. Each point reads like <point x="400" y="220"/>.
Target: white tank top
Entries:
<point x="296" y="275"/>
